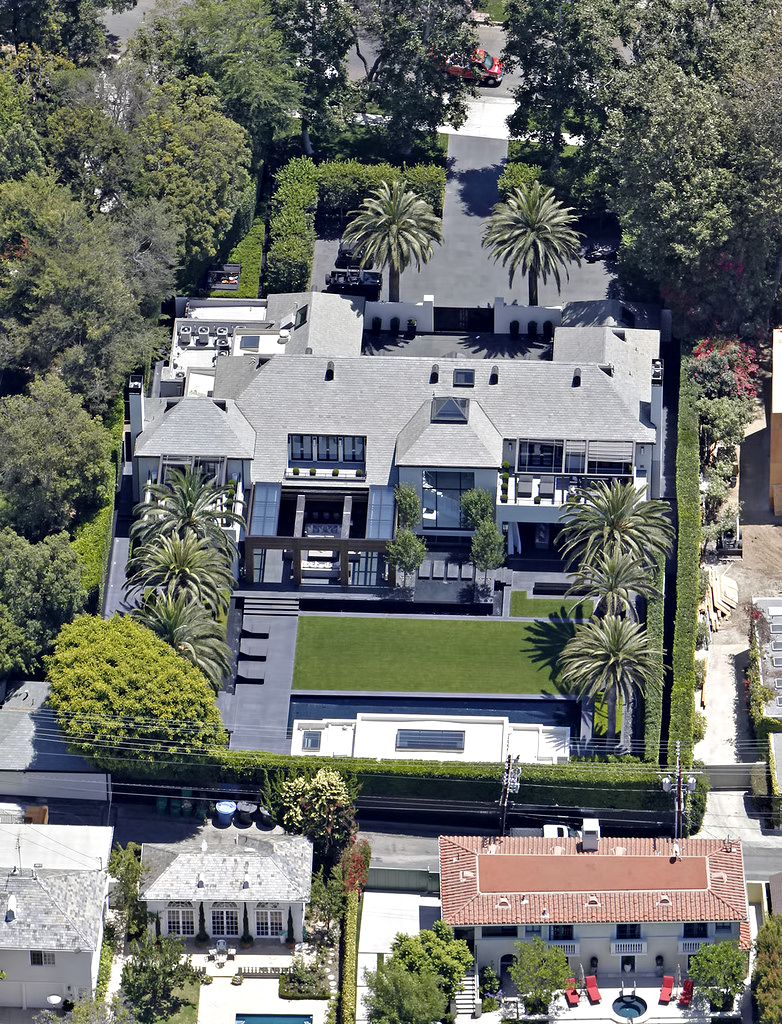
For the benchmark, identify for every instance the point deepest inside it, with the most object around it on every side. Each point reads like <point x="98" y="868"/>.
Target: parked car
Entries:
<point x="349" y="258"/>
<point x="481" y="67"/>
<point x="360" y="282"/>
<point x="594" y="253"/>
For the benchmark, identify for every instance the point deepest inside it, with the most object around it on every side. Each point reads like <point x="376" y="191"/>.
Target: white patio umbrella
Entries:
<point x="678" y="975"/>
<point x="581" y="976"/>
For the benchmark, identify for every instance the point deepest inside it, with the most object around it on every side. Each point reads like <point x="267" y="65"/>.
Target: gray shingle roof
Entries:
<point x="56" y="910"/>
<point x="377" y="397"/>
<point x="334" y="325"/>
<point x="275" y="869"/>
<point x="196" y="426"/>
<point x="423" y="443"/>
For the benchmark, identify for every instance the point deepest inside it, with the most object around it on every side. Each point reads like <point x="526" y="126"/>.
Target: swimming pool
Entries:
<point x="272" y="1018"/>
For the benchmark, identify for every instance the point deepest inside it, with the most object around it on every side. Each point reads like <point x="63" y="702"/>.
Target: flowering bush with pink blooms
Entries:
<point x="724" y="368"/>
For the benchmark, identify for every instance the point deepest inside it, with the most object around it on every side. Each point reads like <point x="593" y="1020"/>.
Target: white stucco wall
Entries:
<point x="28" y="986"/>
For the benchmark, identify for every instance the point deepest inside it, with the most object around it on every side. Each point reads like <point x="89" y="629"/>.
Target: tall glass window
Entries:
<point x="353" y="448"/>
<point x="301" y="447"/>
<point x="225" y="921"/>
<point x="328" y="448"/>
<point x="540" y="456"/>
<point x="441" y="498"/>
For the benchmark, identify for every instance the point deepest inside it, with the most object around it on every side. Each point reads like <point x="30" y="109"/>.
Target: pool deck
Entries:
<point x="221" y="1002"/>
<point x="656" y="1012"/>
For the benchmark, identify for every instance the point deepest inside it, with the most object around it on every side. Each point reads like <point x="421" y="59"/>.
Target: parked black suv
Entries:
<point x="349" y="258"/>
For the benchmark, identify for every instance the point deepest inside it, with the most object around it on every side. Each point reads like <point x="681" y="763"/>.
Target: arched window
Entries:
<point x="330" y="371"/>
<point x="179" y="918"/>
<point x="225" y="919"/>
<point x="268" y="923"/>
<point x="505" y="963"/>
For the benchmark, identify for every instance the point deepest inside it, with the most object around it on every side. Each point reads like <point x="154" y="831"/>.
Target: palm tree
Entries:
<point x="394" y="228"/>
<point x="189" y="566"/>
<point x="190" y="630"/>
<point x="533" y="232"/>
<point x="612" y="579"/>
<point x="609" y="658"/>
<point x="614" y="518"/>
<point x="187" y="502"/>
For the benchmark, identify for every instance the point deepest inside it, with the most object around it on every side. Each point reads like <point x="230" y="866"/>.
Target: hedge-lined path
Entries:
<point x="728" y="734"/>
<point x="460" y="272"/>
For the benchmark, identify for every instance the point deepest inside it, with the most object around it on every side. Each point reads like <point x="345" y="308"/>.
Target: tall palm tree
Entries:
<point x="189" y="566"/>
<point x="533" y="232"/>
<point x="187" y="502"/>
<point x="612" y="579"/>
<point x="394" y="228"/>
<point x="613" y="518"/>
<point x="607" y="659"/>
<point x="190" y="630"/>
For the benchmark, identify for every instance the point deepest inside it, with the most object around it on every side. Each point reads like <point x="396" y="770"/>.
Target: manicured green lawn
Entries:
<point x="459" y="656"/>
<point x="187" y="1013"/>
<point x="524" y="607"/>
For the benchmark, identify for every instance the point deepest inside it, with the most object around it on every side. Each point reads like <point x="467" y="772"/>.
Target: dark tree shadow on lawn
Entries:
<point x="545" y="643"/>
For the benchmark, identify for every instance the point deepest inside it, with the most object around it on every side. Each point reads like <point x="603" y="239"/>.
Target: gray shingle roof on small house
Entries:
<point x="196" y="426"/>
<point x="424" y="443"/>
<point x="266" y="868"/>
<point x="57" y="910"/>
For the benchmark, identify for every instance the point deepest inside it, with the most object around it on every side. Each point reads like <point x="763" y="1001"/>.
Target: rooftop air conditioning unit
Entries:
<point x="185" y="329"/>
<point x="203" y="330"/>
<point x="222" y="331"/>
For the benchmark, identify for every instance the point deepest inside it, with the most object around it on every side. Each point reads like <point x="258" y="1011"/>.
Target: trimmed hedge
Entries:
<point x="758" y="694"/>
<point x="515" y="175"/>
<point x="106" y="960"/>
<point x="344" y="184"/>
<point x="348" y="987"/>
<point x="688" y="562"/>
<point x="428" y="181"/>
<point x="292" y="227"/>
<point x="249" y="252"/>
<point x="653" y="699"/>
<point x="92" y="541"/>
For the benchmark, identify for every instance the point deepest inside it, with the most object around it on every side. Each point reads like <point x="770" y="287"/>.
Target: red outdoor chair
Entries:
<point x="667" y="989"/>
<point x="592" y="990"/>
<point x="686" y="997"/>
<point x="571" y="993"/>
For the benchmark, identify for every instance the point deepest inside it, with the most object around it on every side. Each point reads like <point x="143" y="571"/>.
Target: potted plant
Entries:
<point x="395" y="325"/>
<point x="313" y="471"/>
<point x="295" y="470"/>
<point x="335" y="472"/>
<point x="514" y="328"/>
<point x="359" y="473"/>
<point x="377" y="323"/>
<point x="536" y="499"/>
<point x="411" y="326"/>
<point x="237" y="979"/>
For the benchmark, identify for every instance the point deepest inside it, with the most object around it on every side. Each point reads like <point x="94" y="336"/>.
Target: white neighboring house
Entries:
<point x="53" y="892"/>
<point x="431" y="737"/>
<point x="226" y="873"/>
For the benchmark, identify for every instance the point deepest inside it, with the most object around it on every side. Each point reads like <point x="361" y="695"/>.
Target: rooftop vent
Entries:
<point x="576" y="377"/>
<point x="200" y="882"/>
<point x="285" y="336"/>
<point x="222" y="332"/>
<point x="593" y="900"/>
<point x="544" y="914"/>
<point x="330" y="371"/>
<point x="434" y="375"/>
<point x="720" y="876"/>
<point x="203" y="330"/>
<point x="10" y="913"/>
<point x="558" y="851"/>
<point x="619" y="851"/>
<point x="185" y="329"/>
<point x="494" y="376"/>
<point x="665" y="899"/>
<point x="503" y="903"/>
<point x="466" y="876"/>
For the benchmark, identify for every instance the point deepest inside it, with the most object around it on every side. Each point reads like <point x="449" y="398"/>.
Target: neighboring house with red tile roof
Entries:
<point x="632" y="906"/>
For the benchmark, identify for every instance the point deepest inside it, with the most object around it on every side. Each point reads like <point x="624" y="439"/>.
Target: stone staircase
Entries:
<point x="465" y="1000"/>
<point x="271" y="604"/>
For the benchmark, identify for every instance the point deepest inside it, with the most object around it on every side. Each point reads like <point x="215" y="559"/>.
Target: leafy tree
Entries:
<point x="320" y="808"/>
<point x="724" y="368"/>
<point x="487" y="548"/>
<point x="608" y="659"/>
<point x="148" y="237"/>
<point x="719" y="970"/>
<point x="125" y="868"/>
<point x="533" y="232"/>
<point x="21" y="144"/>
<point x="767" y="976"/>
<point x="614" y="518"/>
<point x="394" y="228"/>
<point x="403" y="76"/>
<point x="435" y="951"/>
<point x="568" y="56"/>
<point x="189" y="566"/>
<point x="327" y="898"/>
<point x="187" y="503"/>
<point x="398" y="996"/>
<point x="408" y="506"/>
<point x="54" y="466"/>
<point x="152" y="975"/>
<point x="722" y="423"/>
<point x="40" y="589"/>
<point x="122" y="695"/>
<point x="406" y="551"/>
<point x="65" y="293"/>
<point x="538" y="972"/>
<point x="189" y="628"/>
<point x="75" y="30"/>
<point x="87" y="1010"/>
<point x="476" y="505"/>
<point x="613" y="579"/>
<point x="197" y="160"/>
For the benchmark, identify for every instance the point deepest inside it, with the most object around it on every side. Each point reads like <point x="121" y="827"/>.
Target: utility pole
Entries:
<point x="511" y="783"/>
<point x="680" y="787"/>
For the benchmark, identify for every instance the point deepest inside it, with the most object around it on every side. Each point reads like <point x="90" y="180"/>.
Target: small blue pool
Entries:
<point x="629" y="1007"/>
<point x="272" y="1018"/>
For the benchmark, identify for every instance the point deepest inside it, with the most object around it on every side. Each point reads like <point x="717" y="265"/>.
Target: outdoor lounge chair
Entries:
<point x="524" y="486"/>
<point x="546" y="489"/>
<point x="686" y="997"/>
<point x="571" y="993"/>
<point x="592" y="990"/>
<point x="667" y="989"/>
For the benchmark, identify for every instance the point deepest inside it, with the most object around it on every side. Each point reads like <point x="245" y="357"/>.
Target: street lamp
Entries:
<point x="680" y="786"/>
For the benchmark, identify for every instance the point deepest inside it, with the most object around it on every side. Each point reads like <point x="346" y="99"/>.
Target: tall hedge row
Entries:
<point x="688" y="500"/>
<point x="292" y="227"/>
<point x="653" y="699"/>
<point x="348" y="988"/>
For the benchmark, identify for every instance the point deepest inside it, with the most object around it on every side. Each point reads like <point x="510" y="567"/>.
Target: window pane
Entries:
<point x="430" y="739"/>
<point x="328" y="447"/>
<point x="275" y="922"/>
<point x="261" y="923"/>
<point x="353" y="448"/>
<point x="301" y="447"/>
<point x="218" y="923"/>
<point x="231" y="922"/>
<point x="188" y="922"/>
<point x="441" y="504"/>
<point x="310" y="740"/>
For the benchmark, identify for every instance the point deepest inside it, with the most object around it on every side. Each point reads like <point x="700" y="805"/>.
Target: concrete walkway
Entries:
<point x="728" y="738"/>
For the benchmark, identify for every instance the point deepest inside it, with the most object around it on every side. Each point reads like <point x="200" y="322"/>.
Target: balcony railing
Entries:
<point x="306" y="473"/>
<point x="691" y="945"/>
<point x="569" y="948"/>
<point x="545" y="489"/>
<point x="623" y="947"/>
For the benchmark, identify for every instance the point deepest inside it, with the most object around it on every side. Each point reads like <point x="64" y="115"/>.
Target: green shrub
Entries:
<point x="653" y="699"/>
<point x="249" y="253"/>
<point x="344" y="184"/>
<point x="305" y="981"/>
<point x="349" y="959"/>
<point x="289" y="265"/>
<point x="427" y="181"/>
<point x="292" y="208"/>
<point x="758" y="694"/>
<point x="688" y="561"/>
<point x="515" y="175"/>
<point x="106" y="960"/>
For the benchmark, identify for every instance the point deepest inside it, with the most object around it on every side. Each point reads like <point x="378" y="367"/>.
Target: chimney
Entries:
<point x="136" y="407"/>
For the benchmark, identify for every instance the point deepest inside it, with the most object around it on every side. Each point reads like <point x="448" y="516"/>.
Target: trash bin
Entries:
<point x="225" y="811"/>
<point x="161" y="804"/>
<point x="245" y="810"/>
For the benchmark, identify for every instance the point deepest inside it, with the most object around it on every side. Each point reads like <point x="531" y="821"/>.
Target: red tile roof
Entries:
<point x="532" y="880"/>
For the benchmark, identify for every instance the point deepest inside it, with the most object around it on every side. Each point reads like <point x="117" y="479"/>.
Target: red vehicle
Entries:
<point x="481" y="67"/>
